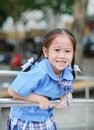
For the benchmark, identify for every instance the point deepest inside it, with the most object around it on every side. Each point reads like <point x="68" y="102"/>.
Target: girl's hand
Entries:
<point x="44" y="103"/>
<point x="63" y="103"/>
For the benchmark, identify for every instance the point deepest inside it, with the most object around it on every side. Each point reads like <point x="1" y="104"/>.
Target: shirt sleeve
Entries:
<point x="25" y="83"/>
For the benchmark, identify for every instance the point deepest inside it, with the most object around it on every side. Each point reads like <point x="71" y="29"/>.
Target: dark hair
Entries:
<point x="46" y="41"/>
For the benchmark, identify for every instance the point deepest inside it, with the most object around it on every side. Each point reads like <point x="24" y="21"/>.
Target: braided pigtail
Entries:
<point x="72" y="66"/>
<point x="38" y="57"/>
<point x="26" y="67"/>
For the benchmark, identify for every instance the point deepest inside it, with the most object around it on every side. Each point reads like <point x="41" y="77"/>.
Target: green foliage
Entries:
<point x="58" y="6"/>
<point x="2" y="16"/>
<point x="15" y="7"/>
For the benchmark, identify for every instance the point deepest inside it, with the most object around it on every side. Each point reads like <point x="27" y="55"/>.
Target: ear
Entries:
<point x="45" y="52"/>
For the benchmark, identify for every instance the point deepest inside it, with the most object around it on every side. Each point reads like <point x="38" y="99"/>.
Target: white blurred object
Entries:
<point x="75" y="68"/>
<point x="29" y="63"/>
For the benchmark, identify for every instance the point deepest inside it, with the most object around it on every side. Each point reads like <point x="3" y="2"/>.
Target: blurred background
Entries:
<point x="23" y="24"/>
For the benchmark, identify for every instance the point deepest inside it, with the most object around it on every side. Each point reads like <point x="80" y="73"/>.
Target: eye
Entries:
<point x="68" y="51"/>
<point x="57" y="50"/>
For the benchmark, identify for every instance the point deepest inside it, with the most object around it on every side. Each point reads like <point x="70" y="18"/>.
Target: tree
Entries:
<point x="78" y="27"/>
<point x="15" y="7"/>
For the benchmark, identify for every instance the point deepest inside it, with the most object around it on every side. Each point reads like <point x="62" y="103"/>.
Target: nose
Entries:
<point x="62" y="54"/>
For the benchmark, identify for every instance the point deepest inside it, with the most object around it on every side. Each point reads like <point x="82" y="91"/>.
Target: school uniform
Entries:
<point x="41" y="80"/>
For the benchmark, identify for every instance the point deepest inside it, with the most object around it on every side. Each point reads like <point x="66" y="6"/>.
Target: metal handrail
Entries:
<point x="8" y="73"/>
<point x="8" y="102"/>
<point x="76" y="103"/>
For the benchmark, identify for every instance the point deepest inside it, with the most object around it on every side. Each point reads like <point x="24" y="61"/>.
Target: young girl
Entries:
<point x="48" y="79"/>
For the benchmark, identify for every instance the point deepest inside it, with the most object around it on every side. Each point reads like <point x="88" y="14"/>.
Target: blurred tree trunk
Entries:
<point x="78" y="27"/>
<point x="15" y="14"/>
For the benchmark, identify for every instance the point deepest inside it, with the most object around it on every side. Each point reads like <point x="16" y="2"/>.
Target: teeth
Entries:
<point x="61" y="63"/>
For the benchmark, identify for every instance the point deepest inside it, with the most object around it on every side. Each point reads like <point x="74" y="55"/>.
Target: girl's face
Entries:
<point x="59" y="53"/>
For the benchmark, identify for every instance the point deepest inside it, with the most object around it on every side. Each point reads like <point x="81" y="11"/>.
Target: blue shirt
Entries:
<point x="41" y="80"/>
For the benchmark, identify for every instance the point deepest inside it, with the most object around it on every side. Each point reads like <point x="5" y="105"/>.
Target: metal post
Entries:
<point x="87" y="93"/>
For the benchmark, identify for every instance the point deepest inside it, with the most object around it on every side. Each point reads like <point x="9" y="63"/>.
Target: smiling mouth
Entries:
<point x="61" y="63"/>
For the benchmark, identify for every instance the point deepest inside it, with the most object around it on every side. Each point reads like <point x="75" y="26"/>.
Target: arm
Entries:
<point x="13" y="94"/>
<point x="63" y="102"/>
<point x="43" y="101"/>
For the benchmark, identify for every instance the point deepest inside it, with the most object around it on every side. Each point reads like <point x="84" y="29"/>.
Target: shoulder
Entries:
<point x="36" y="71"/>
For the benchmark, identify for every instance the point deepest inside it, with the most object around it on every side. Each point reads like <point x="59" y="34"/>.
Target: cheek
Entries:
<point x="70" y="59"/>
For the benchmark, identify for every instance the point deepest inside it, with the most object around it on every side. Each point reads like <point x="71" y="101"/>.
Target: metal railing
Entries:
<point x="8" y="102"/>
<point x="8" y="73"/>
<point x="80" y="115"/>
